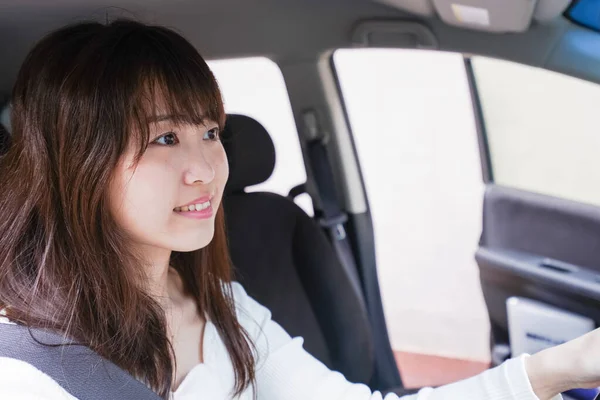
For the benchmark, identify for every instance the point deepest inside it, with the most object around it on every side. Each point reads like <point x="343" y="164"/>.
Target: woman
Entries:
<point x="111" y="232"/>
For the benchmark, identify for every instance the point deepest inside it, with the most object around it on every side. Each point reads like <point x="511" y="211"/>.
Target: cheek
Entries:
<point x="141" y="192"/>
<point x="150" y="188"/>
<point x="222" y="167"/>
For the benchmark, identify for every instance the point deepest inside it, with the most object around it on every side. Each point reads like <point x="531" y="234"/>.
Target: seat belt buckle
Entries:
<point x="335" y="224"/>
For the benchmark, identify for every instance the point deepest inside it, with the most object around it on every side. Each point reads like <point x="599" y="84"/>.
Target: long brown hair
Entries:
<point x="82" y="94"/>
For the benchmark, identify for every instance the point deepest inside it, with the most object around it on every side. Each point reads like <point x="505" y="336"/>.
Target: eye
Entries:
<point x="167" y="139"/>
<point x="212" y="134"/>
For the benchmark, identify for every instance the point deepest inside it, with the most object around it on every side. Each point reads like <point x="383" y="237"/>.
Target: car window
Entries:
<point x="255" y="87"/>
<point x="541" y="128"/>
<point x="411" y="117"/>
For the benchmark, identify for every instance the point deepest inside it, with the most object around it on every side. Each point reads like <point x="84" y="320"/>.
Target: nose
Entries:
<point x="199" y="169"/>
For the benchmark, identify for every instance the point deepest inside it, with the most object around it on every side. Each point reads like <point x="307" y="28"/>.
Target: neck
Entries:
<point x="159" y="273"/>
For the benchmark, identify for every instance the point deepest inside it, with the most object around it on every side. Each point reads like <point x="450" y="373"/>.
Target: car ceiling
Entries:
<point x="290" y="31"/>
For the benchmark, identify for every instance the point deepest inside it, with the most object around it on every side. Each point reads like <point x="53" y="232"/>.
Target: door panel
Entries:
<point x="538" y="247"/>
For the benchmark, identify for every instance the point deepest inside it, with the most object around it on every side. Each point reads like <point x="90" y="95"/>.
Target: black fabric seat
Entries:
<point x="285" y="261"/>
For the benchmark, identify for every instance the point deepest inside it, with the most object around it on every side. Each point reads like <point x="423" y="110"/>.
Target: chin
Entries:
<point x="189" y="245"/>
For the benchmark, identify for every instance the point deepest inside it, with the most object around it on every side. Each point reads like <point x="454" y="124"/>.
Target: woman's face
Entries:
<point x="170" y="198"/>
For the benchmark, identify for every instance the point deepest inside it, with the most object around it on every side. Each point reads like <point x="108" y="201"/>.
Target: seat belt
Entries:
<point x="330" y="216"/>
<point x="78" y="369"/>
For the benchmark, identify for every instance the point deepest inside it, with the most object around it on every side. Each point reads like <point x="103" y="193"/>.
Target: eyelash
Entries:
<point x="215" y="132"/>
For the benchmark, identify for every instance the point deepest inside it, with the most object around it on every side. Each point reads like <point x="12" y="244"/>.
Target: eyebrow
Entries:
<point x="165" y="117"/>
<point x="181" y="117"/>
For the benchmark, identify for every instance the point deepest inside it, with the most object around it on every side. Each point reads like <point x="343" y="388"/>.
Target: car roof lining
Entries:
<point x="501" y="12"/>
<point x="291" y="31"/>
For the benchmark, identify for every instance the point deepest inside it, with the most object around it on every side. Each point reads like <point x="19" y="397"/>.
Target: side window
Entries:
<point x="540" y="139"/>
<point x="255" y="87"/>
<point x="413" y="125"/>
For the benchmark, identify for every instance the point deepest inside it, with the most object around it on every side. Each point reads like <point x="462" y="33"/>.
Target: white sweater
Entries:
<point x="285" y="371"/>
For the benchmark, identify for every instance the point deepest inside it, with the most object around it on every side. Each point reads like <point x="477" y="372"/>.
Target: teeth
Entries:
<point x="193" y="207"/>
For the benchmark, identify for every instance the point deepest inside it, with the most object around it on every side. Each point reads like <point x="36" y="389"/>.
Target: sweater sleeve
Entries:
<point x="286" y="371"/>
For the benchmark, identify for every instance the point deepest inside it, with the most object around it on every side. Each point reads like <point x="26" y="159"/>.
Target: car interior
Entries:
<point x="318" y="274"/>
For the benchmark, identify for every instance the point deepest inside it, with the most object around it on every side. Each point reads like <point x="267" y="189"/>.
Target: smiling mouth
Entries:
<point x="193" y="207"/>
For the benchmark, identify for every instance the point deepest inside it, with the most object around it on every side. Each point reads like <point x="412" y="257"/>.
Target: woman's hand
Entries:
<point x="572" y="365"/>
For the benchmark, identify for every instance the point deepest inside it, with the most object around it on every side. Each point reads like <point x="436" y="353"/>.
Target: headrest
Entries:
<point x="5" y="116"/>
<point x="250" y="151"/>
<point x="4" y="128"/>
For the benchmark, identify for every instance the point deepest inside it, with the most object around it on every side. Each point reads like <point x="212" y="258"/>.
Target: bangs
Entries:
<point x="171" y="79"/>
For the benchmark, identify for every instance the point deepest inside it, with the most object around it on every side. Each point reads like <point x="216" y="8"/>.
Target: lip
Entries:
<point x="202" y="214"/>
<point x="199" y="200"/>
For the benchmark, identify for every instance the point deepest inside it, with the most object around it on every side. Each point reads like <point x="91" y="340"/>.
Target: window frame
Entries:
<point x="487" y="171"/>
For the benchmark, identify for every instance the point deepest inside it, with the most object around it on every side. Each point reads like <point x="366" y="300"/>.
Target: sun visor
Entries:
<point x="485" y="15"/>
<point x="549" y="9"/>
